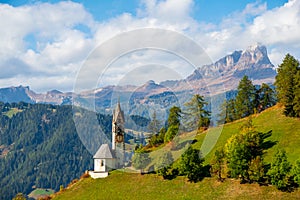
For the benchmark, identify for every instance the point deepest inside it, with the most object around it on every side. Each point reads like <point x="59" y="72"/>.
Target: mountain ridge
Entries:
<point x="207" y="80"/>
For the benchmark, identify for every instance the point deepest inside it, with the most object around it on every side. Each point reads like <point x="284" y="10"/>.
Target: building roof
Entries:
<point x="104" y="152"/>
<point x="118" y="114"/>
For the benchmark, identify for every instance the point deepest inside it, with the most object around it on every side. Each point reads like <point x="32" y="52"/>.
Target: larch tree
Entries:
<point x="197" y="115"/>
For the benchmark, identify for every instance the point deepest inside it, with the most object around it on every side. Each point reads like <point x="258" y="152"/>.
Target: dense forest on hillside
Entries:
<point x="39" y="147"/>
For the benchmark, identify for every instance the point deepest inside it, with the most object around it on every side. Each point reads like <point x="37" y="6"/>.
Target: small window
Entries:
<point x="102" y="163"/>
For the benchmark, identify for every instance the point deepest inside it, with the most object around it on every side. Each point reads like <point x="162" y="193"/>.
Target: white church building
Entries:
<point x="107" y="158"/>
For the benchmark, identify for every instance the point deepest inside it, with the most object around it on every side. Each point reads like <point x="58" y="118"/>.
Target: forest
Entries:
<point x="40" y="148"/>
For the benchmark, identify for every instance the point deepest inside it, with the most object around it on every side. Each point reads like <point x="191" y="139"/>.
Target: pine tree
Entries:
<point x="140" y="159"/>
<point x="197" y="115"/>
<point x="164" y="163"/>
<point x="173" y="123"/>
<point x="191" y="164"/>
<point x="297" y="94"/>
<point x="296" y="172"/>
<point x="266" y="97"/>
<point x="218" y="164"/>
<point x="246" y="98"/>
<point x="279" y="171"/>
<point x="154" y="124"/>
<point x="228" y="113"/>
<point x="285" y="84"/>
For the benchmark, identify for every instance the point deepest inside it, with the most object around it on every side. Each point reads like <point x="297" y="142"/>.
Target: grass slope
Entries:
<point x="135" y="186"/>
<point x="286" y="131"/>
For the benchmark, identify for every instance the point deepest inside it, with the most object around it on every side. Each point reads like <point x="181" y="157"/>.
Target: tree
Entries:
<point x="218" y="163"/>
<point x="285" y="84"/>
<point x="296" y="172"/>
<point x="140" y="159"/>
<point x="19" y="196"/>
<point x="244" y="153"/>
<point x="173" y="123"/>
<point x="266" y="97"/>
<point x="280" y="168"/>
<point x="191" y="164"/>
<point x="238" y="157"/>
<point x="256" y="169"/>
<point x="174" y="116"/>
<point x="297" y="94"/>
<point x="163" y="165"/>
<point x="246" y="98"/>
<point x="228" y="112"/>
<point x="154" y="124"/>
<point x="197" y="115"/>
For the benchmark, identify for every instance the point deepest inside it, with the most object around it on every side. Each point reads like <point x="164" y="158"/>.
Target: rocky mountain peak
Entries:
<point x="254" y="58"/>
<point x="255" y="54"/>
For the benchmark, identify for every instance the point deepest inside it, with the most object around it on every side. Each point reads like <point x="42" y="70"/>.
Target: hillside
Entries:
<point x="285" y="132"/>
<point x="40" y="148"/>
<point x="122" y="185"/>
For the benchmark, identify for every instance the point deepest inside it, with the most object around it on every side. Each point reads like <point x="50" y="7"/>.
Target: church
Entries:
<point x="111" y="157"/>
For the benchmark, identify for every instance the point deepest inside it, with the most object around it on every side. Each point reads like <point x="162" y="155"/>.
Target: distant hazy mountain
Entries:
<point x="16" y="94"/>
<point x="208" y="80"/>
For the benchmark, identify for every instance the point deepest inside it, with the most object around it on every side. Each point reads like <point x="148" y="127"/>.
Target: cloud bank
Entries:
<point x="44" y="45"/>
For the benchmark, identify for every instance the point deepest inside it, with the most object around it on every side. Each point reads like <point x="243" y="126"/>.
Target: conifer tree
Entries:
<point x="266" y="97"/>
<point x="191" y="164"/>
<point x="279" y="171"/>
<point x="227" y="113"/>
<point x="218" y="164"/>
<point x="297" y="94"/>
<point x="140" y="159"/>
<point x="285" y="82"/>
<point x="246" y="98"/>
<point x="154" y="124"/>
<point x="197" y="115"/>
<point x="173" y="123"/>
<point x="296" y="172"/>
<point x="164" y="163"/>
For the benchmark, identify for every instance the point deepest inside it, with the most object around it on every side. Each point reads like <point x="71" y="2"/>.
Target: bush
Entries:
<point x="296" y="173"/>
<point x="191" y="165"/>
<point x="279" y="171"/>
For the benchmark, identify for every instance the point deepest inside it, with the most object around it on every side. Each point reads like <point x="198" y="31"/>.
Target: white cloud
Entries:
<point x="60" y="46"/>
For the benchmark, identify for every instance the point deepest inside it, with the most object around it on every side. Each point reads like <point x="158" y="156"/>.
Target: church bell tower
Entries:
<point x="118" y="134"/>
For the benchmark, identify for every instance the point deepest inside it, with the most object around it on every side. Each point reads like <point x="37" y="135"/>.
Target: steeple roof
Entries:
<point x="118" y="113"/>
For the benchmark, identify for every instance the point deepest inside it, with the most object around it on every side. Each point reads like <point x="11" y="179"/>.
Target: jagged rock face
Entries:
<point x="253" y="62"/>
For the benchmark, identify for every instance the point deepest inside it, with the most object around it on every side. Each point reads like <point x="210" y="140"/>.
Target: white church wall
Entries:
<point x="99" y="165"/>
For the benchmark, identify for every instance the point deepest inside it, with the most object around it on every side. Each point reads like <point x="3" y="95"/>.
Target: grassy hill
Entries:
<point x="120" y="185"/>
<point x="285" y="132"/>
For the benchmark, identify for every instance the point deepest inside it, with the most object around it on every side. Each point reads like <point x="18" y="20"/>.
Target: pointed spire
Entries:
<point x="118" y="113"/>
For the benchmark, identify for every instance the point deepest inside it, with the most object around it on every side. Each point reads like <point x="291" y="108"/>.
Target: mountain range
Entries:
<point x="208" y="80"/>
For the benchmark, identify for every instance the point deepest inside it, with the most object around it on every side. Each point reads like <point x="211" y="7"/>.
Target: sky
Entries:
<point x="45" y="44"/>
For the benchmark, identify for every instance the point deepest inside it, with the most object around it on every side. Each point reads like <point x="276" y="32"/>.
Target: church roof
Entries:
<point x="104" y="152"/>
<point x="118" y="114"/>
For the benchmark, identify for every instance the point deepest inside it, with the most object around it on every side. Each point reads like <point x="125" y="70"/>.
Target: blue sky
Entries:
<point x="45" y="43"/>
<point x="204" y="10"/>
